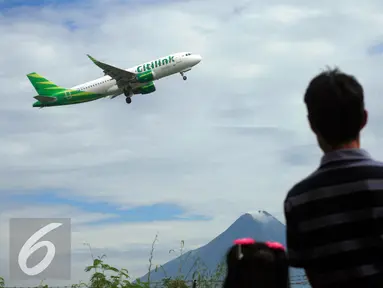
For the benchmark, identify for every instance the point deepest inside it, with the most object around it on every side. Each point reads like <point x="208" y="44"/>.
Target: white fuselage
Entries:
<point x="161" y="67"/>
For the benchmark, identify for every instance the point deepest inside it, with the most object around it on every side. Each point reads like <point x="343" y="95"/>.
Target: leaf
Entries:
<point x="97" y="262"/>
<point x="87" y="269"/>
<point x="124" y="272"/>
<point x="113" y="269"/>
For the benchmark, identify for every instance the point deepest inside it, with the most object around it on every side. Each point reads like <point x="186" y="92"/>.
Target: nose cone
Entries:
<point x="197" y="58"/>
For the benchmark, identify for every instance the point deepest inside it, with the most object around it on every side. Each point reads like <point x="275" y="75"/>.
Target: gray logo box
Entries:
<point x="47" y="248"/>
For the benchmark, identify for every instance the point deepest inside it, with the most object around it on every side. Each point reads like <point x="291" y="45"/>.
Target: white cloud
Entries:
<point x="231" y="139"/>
<point x="290" y="14"/>
<point x="313" y="48"/>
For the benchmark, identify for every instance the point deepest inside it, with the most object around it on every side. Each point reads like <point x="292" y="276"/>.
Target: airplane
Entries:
<point x="116" y="81"/>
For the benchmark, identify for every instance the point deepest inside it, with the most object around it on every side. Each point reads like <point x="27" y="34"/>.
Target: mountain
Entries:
<point x="260" y="225"/>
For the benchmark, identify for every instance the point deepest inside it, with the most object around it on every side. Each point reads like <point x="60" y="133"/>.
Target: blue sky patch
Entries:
<point x="71" y="25"/>
<point x="376" y="49"/>
<point x="154" y="212"/>
<point x="19" y="6"/>
<point x="9" y="4"/>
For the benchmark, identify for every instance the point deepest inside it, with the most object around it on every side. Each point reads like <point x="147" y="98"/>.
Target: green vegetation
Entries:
<point x="106" y="276"/>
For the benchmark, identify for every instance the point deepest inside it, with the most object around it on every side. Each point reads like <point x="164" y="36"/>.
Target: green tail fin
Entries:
<point x="44" y="86"/>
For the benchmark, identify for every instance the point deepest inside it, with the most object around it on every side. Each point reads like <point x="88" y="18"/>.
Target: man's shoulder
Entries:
<point x="375" y="163"/>
<point x="327" y="176"/>
<point x="334" y="175"/>
<point x="301" y="186"/>
<point x="298" y="189"/>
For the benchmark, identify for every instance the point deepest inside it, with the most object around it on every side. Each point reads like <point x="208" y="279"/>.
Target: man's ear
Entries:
<point x="364" y="120"/>
<point x="311" y="123"/>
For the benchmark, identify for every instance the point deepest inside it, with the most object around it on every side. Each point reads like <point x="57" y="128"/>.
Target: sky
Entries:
<point x="188" y="160"/>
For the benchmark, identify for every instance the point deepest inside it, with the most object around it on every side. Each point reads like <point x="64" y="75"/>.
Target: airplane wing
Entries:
<point x="122" y="77"/>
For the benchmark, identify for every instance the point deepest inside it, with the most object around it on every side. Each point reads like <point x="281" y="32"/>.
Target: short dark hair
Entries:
<point x="335" y="103"/>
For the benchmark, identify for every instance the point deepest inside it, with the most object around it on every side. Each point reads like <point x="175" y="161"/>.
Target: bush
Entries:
<point x="107" y="276"/>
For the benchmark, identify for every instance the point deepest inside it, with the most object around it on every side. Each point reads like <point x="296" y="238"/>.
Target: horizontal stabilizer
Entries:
<point x="45" y="99"/>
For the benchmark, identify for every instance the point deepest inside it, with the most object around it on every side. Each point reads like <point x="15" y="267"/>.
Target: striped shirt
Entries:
<point x="334" y="221"/>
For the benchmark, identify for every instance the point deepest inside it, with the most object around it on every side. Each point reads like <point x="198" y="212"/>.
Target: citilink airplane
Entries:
<point x="116" y="81"/>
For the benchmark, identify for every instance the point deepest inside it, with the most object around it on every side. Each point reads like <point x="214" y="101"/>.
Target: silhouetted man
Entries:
<point x="334" y="216"/>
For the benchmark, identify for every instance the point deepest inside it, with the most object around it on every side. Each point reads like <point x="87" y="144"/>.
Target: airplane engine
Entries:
<point x="146" y="89"/>
<point x="146" y="76"/>
<point x="113" y="89"/>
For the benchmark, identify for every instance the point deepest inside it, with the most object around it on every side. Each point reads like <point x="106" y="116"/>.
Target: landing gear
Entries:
<point x="183" y="76"/>
<point x="128" y="94"/>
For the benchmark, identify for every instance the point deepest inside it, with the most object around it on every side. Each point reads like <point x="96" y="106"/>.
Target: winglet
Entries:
<point x="91" y="58"/>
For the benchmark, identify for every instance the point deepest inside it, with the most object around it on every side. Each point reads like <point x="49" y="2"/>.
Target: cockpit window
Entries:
<point x="187" y="54"/>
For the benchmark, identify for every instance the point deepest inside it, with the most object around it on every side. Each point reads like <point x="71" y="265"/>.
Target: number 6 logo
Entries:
<point x="31" y="246"/>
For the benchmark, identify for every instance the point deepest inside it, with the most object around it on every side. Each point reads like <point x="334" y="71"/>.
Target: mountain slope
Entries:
<point x="260" y="225"/>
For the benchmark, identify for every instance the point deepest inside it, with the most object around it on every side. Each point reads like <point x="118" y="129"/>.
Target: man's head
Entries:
<point x="262" y="265"/>
<point x="335" y="104"/>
